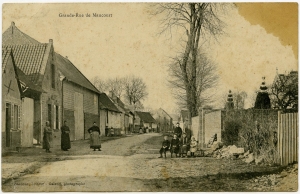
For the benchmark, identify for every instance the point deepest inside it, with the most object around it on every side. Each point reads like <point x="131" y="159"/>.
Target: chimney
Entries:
<point x="13" y="23"/>
<point x="51" y="41"/>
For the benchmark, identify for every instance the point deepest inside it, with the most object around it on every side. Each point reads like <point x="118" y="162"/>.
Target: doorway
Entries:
<point x="78" y="116"/>
<point x="7" y="124"/>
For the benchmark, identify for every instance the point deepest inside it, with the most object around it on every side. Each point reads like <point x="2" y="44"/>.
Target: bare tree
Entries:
<point x="116" y="85"/>
<point x="239" y="98"/>
<point x="99" y="84"/>
<point x="284" y="91"/>
<point x="196" y="19"/>
<point x="135" y="90"/>
<point x="206" y="79"/>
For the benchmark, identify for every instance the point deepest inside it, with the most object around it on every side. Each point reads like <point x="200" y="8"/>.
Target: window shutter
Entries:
<point x="12" y="117"/>
<point x="19" y="117"/>
<point x="59" y="117"/>
<point x="54" y="117"/>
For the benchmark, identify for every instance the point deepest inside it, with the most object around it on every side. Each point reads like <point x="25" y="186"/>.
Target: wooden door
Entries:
<point x="28" y="120"/>
<point x="79" y="116"/>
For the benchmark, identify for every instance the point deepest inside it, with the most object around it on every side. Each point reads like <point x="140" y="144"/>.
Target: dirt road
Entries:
<point x="132" y="164"/>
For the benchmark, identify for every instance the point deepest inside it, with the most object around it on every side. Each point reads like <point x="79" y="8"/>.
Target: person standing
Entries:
<point x="47" y="137"/>
<point x="188" y="133"/>
<point x="178" y="130"/>
<point x="65" y="137"/>
<point x="184" y="142"/>
<point x="95" y="137"/>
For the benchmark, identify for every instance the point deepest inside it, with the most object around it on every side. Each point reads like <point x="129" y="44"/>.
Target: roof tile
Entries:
<point x="146" y="117"/>
<point x="26" y="58"/>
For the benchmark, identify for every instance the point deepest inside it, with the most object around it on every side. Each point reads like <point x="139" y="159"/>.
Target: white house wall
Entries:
<point x="212" y="125"/>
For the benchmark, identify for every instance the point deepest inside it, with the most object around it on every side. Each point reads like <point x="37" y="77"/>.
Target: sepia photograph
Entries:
<point x="150" y="97"/>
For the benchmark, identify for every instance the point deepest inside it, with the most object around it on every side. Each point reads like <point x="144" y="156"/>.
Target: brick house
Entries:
<point x="67" y="93"/>
<point x="11" y="102"/>
<point x="37" y="64"/>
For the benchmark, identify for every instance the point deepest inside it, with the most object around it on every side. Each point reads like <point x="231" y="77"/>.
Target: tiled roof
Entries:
<point x="106" y="103"/>
<point x="145" y="117"/>
<point x="6" y="52"/>
<point x="72" y="74"/>
<point x="15" y="36"/>
<point x="28" y="58"/>
<point x="5" y="56"/>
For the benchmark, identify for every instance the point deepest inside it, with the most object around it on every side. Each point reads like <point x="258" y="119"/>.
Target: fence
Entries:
<point x="287" y="138"/>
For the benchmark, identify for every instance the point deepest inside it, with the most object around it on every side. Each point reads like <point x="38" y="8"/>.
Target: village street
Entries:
<point x="132" y="164"/>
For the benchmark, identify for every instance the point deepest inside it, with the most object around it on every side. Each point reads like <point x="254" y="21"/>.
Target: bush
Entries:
<point x="230" y="135"/>
<point x="254" y="129"/>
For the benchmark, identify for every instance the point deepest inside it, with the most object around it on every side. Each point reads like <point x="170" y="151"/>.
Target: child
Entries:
<point x="165" y="146"/>
<point x="174" y="145"/>
<point x="193" y="146"/>
<point x="183" y="145"/>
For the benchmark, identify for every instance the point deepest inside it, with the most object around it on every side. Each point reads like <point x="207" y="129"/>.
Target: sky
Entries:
<point x="259" y="38"/>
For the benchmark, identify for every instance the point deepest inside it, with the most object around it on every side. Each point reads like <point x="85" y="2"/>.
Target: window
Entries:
<point x="53" y="76"/>
<point x="54" y="117"/>
<point x="16" y="117"/>
<point x="49" y="114"/>
<point x="19" y="118"/>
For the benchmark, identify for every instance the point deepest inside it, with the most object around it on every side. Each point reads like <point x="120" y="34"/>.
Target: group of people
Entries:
<point x="109" y="132"/>
<point x="146" y="130"/>
<point x="94" y="132"/>
<point x="180" y="144"/>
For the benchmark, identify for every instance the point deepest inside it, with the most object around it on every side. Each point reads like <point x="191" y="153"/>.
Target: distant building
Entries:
<point x="109" y="113"/>
<point x="124" y="118"/>
<point x="163" y="120"/>
<point x="144" y="119"/>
